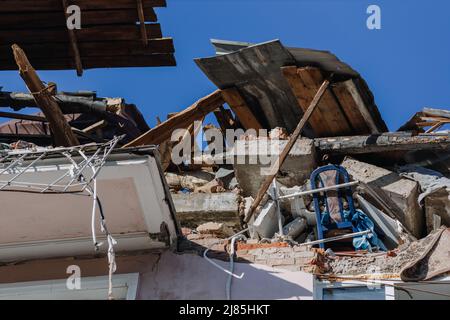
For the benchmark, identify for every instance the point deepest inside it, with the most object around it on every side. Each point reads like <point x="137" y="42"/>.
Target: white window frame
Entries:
<point x="44" y="289"/>
<point x="325" y="284"/>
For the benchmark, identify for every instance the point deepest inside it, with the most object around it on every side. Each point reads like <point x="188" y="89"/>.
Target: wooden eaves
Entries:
<point x="120" y="33"/>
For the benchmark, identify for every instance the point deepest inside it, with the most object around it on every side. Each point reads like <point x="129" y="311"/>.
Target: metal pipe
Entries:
<point x="344" y="236"/>
<point x="335" y="187"/>
<point x="275" y="196"/>
<point x="22" y="172"/>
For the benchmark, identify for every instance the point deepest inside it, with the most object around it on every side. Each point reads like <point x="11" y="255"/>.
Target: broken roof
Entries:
<point x="109" y="36"/>
<point x="261" y="74"/>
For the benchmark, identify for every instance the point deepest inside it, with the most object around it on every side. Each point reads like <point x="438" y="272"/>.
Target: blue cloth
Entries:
<point x="361" y="222"/>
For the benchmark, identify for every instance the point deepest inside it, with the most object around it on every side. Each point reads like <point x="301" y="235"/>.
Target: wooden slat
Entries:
<point x="55" y="5"/>
<point x="329" y="108"/>
<point x="73" y="43"/>
<point x="183" y="119"/>
<point x="386" y="142"/>
<point x="363" y="109"/>
<point x="140" y="11"/>
<point x="93" y="49"/>
<point x="156" y="60"/>
<point x="224" y="119"/>
<point x="61" y="131"/>
<point x="89" y="34"/>
<point x="351" y="109"/>
<point x="40" y="20"/>
<point x="303" y="95"/>
<point x="20" y="116"/>
<point x="98" y="125"/>
<point x="240" y="108"/>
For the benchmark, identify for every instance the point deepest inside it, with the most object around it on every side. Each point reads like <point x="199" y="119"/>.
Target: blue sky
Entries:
<point x="406" y="63"/>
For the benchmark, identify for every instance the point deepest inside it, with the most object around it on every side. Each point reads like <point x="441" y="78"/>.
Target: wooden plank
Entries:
<point x="88" y="34"/>
<point x="55" y="5"/>
<point x="363" y="109"/>
<point x="303" y="95"/>
<point x="224" y="119"/>
<point x="98" y="125"/>
<point x="140" y="10"/>
<point x="183" y="119"/>
<point x="283" y="155"/>
<point x="20" y="116"/>
<point x="351" y="108"/>
<point x="93" y="49"/>
<point x="437" y="112"/>
<point x="435" y="127"/>
<point x="61" y="131"/>
<point x="155" y="60"/>
<point x="240" y="108"/>
<point x="387" y="142"/>
<point x="27" y="20"/>
<point x="73" y="43"/>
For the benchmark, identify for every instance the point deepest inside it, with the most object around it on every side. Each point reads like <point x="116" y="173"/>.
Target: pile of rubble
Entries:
<point x="399" y="180"/>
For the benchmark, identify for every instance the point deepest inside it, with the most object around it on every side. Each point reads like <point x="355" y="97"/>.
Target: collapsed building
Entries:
<point x="348" y="209"/>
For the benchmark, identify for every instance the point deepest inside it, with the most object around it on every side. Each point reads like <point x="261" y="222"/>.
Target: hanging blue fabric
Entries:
<point x="362" y="223"/>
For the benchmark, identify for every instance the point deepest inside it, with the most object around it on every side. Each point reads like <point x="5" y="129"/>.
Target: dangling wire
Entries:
<point x="77" y="178"/>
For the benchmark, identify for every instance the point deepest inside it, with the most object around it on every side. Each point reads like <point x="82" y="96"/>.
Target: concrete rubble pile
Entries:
<point x="401" y="178"/>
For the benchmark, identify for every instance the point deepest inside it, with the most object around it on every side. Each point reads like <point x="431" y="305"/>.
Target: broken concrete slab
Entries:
<point x="437" y="209"/>
<point x="266" y="224"/>
<point x="399" y="193"/>
<point x="216" y="229"/>
<point x="435" y="192"/>
<point x="197" y="208"/>
<point x="253" y="156"/>
<point x="188" y="180"/>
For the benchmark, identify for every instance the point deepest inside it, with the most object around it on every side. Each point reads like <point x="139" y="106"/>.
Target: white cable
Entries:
<point x="217" y="265"/>
<point x="232" y="253"/>
<point x="94" y="209"/>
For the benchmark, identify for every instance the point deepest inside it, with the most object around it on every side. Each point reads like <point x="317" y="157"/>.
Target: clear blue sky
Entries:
<point x="406" y="63"/>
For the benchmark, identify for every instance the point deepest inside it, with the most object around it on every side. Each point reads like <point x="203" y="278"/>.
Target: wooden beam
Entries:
<point x="283" y="155"/>
<point x="437" y="112"/>
<point x="351" y="108"/>
<point x="240" y="108"/>
<point x="85" y="5"/>
<point x="20" y="116"/>
<point x="140" y="9"/>
<point x="61" y="131"/>
<point x="98" y="125"/>
<point x="183" y="119"/>
<point x="435" y="127"/>
<point x="382" y="143"/>
<point x="368" y="117"/>
<point x="225" y="119"/>
<point x="73" y="43"/>
<point x="46" y="19"/>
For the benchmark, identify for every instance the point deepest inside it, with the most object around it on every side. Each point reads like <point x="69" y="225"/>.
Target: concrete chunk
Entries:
<point x="197" y="208"/>
<point x="214" y="228"/>
<point x="399" y="193"/>
<point x="266" y="224"/>
<point x="297" y="167"/>
<point x="437" y="208"/>
<point x="295" y="228"/>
